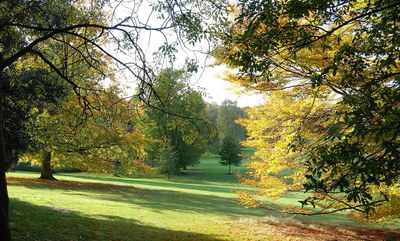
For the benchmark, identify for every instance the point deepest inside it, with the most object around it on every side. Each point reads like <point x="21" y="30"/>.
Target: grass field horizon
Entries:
<point x="199" y="205"/>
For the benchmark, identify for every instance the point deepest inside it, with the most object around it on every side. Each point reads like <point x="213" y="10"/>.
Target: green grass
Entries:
<point x="199" y="205"/>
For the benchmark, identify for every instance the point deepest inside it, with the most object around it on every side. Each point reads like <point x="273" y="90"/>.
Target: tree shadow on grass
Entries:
<point x="188" y="186"/>
<point x="31" y="222"/>
<point x="155" y="200"/>
<point x="161" y="201"/>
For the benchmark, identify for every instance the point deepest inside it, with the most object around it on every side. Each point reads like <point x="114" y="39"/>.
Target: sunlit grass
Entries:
<point x="199" y="205"/>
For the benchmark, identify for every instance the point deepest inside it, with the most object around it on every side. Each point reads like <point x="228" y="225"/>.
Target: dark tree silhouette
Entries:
<point x="230" y="153"/>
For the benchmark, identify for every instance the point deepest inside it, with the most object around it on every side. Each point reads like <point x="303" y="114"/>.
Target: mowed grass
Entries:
<point x="200" y="205"/>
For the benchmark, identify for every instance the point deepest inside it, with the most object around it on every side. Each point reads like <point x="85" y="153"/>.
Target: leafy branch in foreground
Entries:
<point x="330" y="125"/>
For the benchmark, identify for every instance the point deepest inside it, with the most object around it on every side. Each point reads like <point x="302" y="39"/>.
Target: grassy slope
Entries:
<point x="196" y="206"/>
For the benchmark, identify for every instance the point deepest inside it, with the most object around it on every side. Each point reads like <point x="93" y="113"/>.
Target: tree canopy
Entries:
<point x="178" y="116"/>
<point x="341" y="58"/>
<point x="94" y="140"/>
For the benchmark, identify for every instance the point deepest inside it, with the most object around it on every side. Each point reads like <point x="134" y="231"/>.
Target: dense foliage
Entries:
<point x="104" y="139"/>
<point x="178" y="115"/>
<point x="20" y="100"/>
<point x="339" y="61"/>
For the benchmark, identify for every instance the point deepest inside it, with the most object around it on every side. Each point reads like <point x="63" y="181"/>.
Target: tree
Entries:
<point x="102" y="140"/>
<point x="29" y="27"/>
<point x="282" y="133"/>
<point x="228" y="113"/>
<point x="109" y="138"/>
<point x="230" y="153"/>
<point x="21" y="90"/>
<point x="178" y="114"/>
<point x="167" y="158"/>
<point x="47" y="127"/>
<point x="213" y="142"/>
<point x="21" y="99"/>
<point x="345" y="50"/>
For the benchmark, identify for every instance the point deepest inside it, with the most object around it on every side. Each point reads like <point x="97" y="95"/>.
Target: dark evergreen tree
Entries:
<point x="230" y="153"/>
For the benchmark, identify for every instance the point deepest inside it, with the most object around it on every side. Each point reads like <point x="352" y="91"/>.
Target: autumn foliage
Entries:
<point x="330" y="123"/>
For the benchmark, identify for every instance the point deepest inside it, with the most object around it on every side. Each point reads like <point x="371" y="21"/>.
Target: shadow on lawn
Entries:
<point x="30" y="222"/>
<point x="217" y="188"/>
<point x="155" y="200"/>
<point x="161" y="201"/>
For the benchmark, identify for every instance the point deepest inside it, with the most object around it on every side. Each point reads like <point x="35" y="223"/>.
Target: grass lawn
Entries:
<point x="197" y="206"/>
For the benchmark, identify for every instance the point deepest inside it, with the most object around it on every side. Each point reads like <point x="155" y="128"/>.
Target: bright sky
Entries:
<point x="218" y="89"/>
<point x="210" y="79"/>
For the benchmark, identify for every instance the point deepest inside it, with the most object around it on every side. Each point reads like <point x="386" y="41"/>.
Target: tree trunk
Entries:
<point x="46" y="172"/>
<point x="5" y="234"/>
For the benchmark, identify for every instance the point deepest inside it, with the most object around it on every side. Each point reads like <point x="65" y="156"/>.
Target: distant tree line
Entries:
<point x="224" y="119"/>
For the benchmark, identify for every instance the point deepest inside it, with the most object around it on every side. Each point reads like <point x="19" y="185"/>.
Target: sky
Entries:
<point x="217" y="89"/>
<point x="208" y="79"/>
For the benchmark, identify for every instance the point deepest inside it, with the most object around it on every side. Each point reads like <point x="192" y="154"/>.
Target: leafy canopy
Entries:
<point x="177" y="114"/>
<point x="340" y="129"/>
